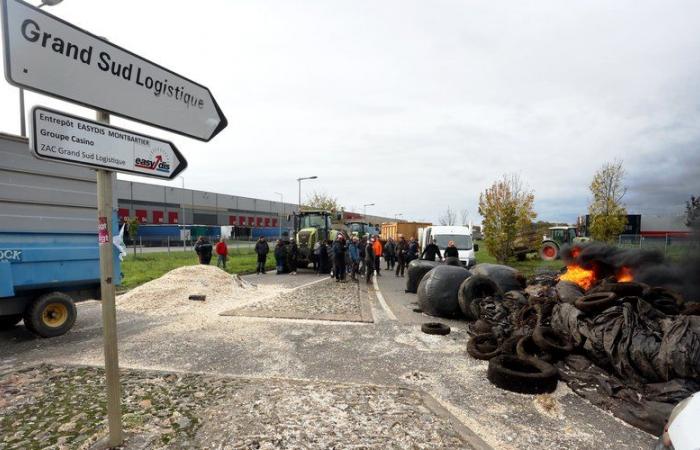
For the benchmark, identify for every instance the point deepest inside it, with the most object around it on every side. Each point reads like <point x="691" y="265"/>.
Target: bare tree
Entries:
<point x="448" y="218"/>
<point x="464" y="214"/>
<point x="322" y="200"/>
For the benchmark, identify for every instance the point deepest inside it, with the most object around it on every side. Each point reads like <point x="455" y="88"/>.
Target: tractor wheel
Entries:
<point x="51" y="315"/>
<point x="549" y="251"/>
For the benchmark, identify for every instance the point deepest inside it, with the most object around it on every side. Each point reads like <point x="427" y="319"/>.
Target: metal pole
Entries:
<point x="299" y="180"/>
<point x="105" y="187"/>
<point x="22" y="119"/>
<point x="182" y="204"/>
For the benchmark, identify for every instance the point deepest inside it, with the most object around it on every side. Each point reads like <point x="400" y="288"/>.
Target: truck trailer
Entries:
<point x="49" y="256"/>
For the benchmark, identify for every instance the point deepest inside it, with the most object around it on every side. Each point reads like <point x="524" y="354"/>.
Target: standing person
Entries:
<point x="280" y="256"/>
<point x="390" y="254"/>
<point x="262" y="249"/>
<point x="401" y="255"/>
<point x="362" y="247"/>
<point x="203" y="250"/>
<point x="452" y="254"/>
<point x="316" y="255"/>
<point x="322" y="257"/>
<point x="412" y="250"/>
<point x="221" y="253"/>
<point x="431" y="251"/>
<point x="339" y="258"/>
<point x="378" y="250"/>
<point x="293" y="257"/>
<point x="354" y="253"/>
<point x="369" y="260"/>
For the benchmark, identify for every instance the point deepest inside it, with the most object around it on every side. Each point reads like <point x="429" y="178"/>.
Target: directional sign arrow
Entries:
<point x="59" y="136"/>
<point x="49" y="55"/>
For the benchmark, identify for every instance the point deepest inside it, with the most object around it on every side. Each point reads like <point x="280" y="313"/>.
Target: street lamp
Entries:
<point x="300" y="180"/>
<point x="279" y="218"/>
<point x="364" y="209"/>
<point x="22" y="119"/>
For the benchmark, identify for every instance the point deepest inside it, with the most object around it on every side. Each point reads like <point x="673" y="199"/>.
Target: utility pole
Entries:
<point x="105" y="189"/>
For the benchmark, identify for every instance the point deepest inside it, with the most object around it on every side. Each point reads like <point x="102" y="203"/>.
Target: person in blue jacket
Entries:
<point x="354" y="253"/>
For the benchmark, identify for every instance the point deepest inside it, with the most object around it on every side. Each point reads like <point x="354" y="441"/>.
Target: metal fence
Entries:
<point x="668" y="244"/>
<point x="166" y="244"/>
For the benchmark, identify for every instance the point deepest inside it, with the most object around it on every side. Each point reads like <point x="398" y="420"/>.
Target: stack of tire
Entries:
<point x="416" y="271"/>
<point x="439" y="289"/>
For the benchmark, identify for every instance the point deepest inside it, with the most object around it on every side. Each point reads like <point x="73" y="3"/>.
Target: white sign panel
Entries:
<point x="63" y="137"/>
<point x="48" y="55"/>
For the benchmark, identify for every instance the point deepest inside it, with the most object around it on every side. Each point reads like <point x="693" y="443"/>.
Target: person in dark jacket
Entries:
<point x="412" y="250"/>
<point x="293" y="256"/>
<point x="401" y="255"/>
<point x="262" y="249"/>
<point x="431" y="251"/>
<point x="362" y="247"/>
<point x="369" y="261"/>
<point x="339" y="258"/>
<point x="203" y="249"/>
<point x="452" y="254"/>
<point x="354" y="253"/>
<point x="323" y="258"/>
<point x="280" y="256"/>
<point x="390" y="254"/>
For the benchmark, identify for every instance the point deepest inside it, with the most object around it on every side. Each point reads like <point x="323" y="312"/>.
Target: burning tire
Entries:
<point x="549" y="251"/>
<point x="483" y="346"/>
<point x="526" y="348"/>
<point x="596" y="302"/>
<point x="475" y="287"/>
<point x="527" y="376"/>
<point x="550" y="342"/>
<point x="435" y="328"/>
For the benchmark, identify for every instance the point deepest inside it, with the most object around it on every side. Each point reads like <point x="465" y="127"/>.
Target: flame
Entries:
<point x="577" y="274"/>
<point x="624" y="275"/>
<point x="575" y="252"/>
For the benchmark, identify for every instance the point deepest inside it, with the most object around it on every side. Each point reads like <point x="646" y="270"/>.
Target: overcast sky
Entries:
<point x="417" y="105"/>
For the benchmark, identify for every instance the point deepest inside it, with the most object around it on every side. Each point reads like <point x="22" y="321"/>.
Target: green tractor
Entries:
<point x="310" y="226"/>
<point x="558" y="236"/>
<point x="361" y="229"/>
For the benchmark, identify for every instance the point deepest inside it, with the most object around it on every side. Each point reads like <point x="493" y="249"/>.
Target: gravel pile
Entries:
<point x="59" y="407"/>
<point x="326" y="300"/>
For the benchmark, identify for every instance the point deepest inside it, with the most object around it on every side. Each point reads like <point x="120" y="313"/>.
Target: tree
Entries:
<point x="132" y="228"/>
<point x="448" y="218"/>
<point x="464" y="214"/>
<point x="324" y="201"/>
<point x="692" y="213"/>
<point x="608" y="213"/>
<point x="507" y="209"/>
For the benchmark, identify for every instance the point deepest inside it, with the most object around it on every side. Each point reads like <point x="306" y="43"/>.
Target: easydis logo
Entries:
<point x="154" y="162"/>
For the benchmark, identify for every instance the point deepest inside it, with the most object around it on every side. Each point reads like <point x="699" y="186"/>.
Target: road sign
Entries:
<point x="67" y="138"/>
<point x="49" y="55"/>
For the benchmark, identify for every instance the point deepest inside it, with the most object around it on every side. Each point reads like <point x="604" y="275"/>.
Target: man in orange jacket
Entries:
<point x="377" y="247"/>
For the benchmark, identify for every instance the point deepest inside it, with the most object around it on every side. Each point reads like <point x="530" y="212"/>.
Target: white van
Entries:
<point x="444" y="234"/>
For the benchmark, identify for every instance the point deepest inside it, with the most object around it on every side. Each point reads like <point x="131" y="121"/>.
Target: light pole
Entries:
<point x="182" y="206"/>
<point x="300" y="180"/>
<point x="364" y="209"/>
<point x="278" y="216"/>
<point x="22" y="119"/>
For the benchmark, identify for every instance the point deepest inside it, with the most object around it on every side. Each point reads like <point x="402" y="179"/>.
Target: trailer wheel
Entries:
<point x="7" y="322"/>
<point x="51" y="315"/>
<point x="549" y="251"/>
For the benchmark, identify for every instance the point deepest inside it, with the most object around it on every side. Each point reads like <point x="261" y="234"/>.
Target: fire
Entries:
<point x="624" y="275"/>
<point x="577" y="274"/>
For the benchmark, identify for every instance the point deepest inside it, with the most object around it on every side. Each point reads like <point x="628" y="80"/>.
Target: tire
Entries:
<point x="549" y="251"/>
<point x="7" y="322"/>
<point x="481" y="327"/>
<point x="51" y="315"/>
<point x="505" y="277"/>
<point x="508" y="347"/>
<point x="475" y="287"/>
<point x="435" y="328"/>
<point x="526" y="348"/>
<point x="527" y="376"/>
<point x="568" y="292"/>
<point x="550" y="342"/>
<point x="625" y="289"/>
<point x="483" y="346"/>
<point x="596" y="302"/>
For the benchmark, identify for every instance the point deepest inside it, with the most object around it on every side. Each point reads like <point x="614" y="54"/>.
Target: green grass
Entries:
<point x="142" y="268"/>
<point x="528" y="267"/>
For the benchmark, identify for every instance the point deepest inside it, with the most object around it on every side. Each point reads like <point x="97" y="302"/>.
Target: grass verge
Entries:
<point x="142" y="268"/>
<point x="529" y="267"/>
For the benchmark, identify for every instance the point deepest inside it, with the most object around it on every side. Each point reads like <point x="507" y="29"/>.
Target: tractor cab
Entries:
<point x="558" y="236"/>
<point x="361" y="229"/>
<point x="310" y="227"/>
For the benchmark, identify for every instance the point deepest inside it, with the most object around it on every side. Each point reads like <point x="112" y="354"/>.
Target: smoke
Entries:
<point x="647" y="266"/>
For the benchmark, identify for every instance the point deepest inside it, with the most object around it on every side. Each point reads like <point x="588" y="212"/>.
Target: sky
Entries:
<point x="416" y="106"/>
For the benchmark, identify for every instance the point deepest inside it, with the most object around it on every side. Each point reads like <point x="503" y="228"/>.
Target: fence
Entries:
<point x="671" y="245"/>
<point x="160" y="244"/>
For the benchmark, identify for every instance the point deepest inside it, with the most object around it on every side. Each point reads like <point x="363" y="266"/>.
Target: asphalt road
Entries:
<point x="390" y="351"/>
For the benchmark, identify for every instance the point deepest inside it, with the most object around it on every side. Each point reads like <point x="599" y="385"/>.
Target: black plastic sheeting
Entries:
<point x="506" y="278"/>
<point x="416" y="270"/>
<point x="437" y="292"/>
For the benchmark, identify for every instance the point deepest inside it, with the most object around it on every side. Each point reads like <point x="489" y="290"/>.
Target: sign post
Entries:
<point x="105" y="185"/>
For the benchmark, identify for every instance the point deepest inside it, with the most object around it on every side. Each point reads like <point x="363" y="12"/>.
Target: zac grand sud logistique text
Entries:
<point x="32" y="32"/>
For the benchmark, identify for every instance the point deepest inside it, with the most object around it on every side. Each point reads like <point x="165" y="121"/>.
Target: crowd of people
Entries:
<point x="354" y="257"/>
